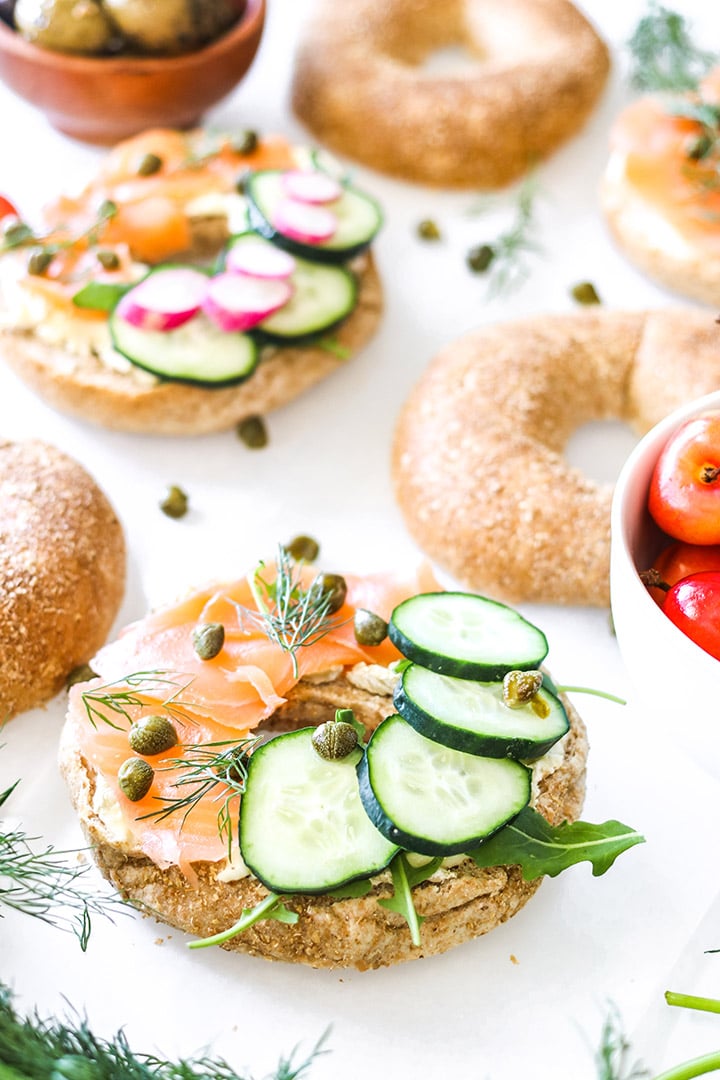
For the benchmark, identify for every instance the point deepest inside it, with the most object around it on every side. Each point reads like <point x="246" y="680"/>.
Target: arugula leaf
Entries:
<point x="100" y="295"/>
<point x="540" y="848"/>
<point x="405" y="877"/>
<point x="272" y="907"/>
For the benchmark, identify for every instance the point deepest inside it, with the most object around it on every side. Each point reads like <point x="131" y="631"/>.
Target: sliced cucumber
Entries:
<point x="467" y="636"/>
<point x="303" y="828"/>
<point x="196" y="352"/>
<point x="323" y="296"/>
<point x="435" y="800"/>
<point x="472" y="716"/>
<point x="358" y="219"/>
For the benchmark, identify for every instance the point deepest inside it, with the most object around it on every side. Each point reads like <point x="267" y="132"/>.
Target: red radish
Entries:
<point x="238" y="302"/>
<point x="311" y="187"/>
<point x="164" y="299"/>
<point x="308" y="224"/>
<point x="260" y="259"/>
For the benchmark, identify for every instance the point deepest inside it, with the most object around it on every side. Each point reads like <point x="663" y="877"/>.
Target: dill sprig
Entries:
<point x="505" y="259"/>
<point x="132" y="691"/>
<point x="43" y="883"/>
<point x="612" y="1058"/>
<point x="291" y="615"/>
<point x="219" y="767"/>
<point x="20" y="235"/>
<point x="32" y="1048"/>
<point x="664" y="55"/>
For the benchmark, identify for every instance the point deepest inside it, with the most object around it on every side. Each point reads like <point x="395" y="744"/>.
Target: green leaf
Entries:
<point x="699" y="111"/>
<point x="100" y="295"/>
<point x="405" y="877"/>
<point x="347" y="716"/>
<point x="272" y="907"/>
<point x="352" y="890"/>
<point x="540" y="848"/>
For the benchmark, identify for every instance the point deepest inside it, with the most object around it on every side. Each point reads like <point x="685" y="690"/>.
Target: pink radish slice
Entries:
<point x="311" y="187"/>
<point x="237" y="301"/>
<point x="308" y="224"/>
<point x="165" y="299"/>
<point x="260" y="259"/>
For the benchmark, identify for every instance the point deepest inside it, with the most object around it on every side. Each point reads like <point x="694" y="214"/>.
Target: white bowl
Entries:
<point x="676" y="683"/>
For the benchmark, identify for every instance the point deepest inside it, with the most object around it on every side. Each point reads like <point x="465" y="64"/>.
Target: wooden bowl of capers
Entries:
<point x="102" y="70"/>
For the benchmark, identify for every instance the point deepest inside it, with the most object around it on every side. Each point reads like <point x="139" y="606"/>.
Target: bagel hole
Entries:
<point x="599" y="449"/>
<point x="451" y="59"/>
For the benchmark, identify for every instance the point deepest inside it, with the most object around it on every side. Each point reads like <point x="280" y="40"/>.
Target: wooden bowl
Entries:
<point x="105" y="99"/>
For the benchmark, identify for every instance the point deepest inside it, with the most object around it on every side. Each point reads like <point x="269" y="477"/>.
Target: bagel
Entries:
<point x="360" y="87"/>
<point x="62" y="571"/>
<point x="478" y="463"/>
<point x="660" y="204"/>
<point x="66" y="354"/>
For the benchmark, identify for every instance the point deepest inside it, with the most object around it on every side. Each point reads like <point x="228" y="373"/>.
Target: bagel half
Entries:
<point x="62" y="571"/>
<point x="458" y="902"/>
<point x="478" y="462"/>
<point x="360" y="87"/>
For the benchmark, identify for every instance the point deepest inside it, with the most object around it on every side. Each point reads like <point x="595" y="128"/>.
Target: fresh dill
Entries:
<point x="20" y="235"/>
<point x="45" y="884"/>
<point x="290" y="615"/>
<point x="33" y="1048"/>
<point x="219" y="767"/>
<point x="613" y="1056"/>
<point x="132" y="692"/>
<point x="505" y="259"/>
<point x="663" y="53"/>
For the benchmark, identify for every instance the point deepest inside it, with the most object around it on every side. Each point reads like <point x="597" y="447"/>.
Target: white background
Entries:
<point x="582" y="942"/>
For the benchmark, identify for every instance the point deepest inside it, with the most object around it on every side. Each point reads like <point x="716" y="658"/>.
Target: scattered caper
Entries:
<point x="81" y="673"/>
<point x="699" y="147"/>
<point x="479" y="258"/>
<point x="253" y="432"/>
<point x="152" y="735"/>
<point x="370" y="629"/>
<point x="520" y="687"/>
<point x="245" y="142"/>
<point x="15" y="233"/>
<point x="332" y="585"/>
<point x="109" y="260"/>
<point x="135" y="778"/>
<point x="303" y="548"/>
<point x="175" y="503"/>
<point x="149" y="164"/>
<point x="334" y="740"/>
<point x="428" y="230"/>
<point x="208" y="639"/>
<point x="39" y="261"/>
<point x="585" y="293"/>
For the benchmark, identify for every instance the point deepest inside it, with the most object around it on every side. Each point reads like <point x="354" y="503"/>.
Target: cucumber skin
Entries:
<point x="461" y="669"/>
<point x="206" y="384"/>
<point x="313" y="252"/>
<point x="470" y="742"/>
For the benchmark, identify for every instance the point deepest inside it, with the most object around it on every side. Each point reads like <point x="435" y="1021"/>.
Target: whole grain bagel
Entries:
<point x="359" y="85"/>
<point x="62" y="571"/>
<point x="458" y="902"/>
<point x="478" y="462"/>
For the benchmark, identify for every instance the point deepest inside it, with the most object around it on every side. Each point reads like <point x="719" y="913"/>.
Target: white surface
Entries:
<point x="474" y="1013"/>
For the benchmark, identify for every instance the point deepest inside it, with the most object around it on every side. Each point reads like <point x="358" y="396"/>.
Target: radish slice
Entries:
<point x="308" y="224"/>
<point x="311" y="187"/>
<point x="165" y="299"/>
<point x="237" y="301"/>
<point x="260" y="259"/>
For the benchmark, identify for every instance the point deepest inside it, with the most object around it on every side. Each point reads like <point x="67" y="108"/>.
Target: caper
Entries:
<point x="585" y="293"/>
<point x="332" y="586"/>
<point x="149" y="164"/>
<point x="135" y="778"/>
<point x="479" y="258"/>
<point x="253" y="432"/>
<point x="81" y="673"/>
<point x="39" y="261"/>
<point x="699" y="147"/>
<point x="245" y="142"/>
<point x="241" y="181"/>
<point x="107" y="209"/>
<point x="109" y="260"/>
<point x="175" y="503"/>
<point x="520" y="687"/>
<point x="16" y="233"/>
<point x="208" y="639"/>
<point x="334" y="740"/>
<point x="428" y="230"/>
<point x="540" y="707"/>
<point x="152" y="735"/>
<point x="303" y="548"/>
<point x="370" y="629"/>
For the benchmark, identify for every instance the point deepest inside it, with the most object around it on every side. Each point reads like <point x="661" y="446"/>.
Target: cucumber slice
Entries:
<point x="196" y="352"/>
<point x="358" y="219"/>
<point x="465" y="635"/>
<point x="472" y="716"/>
<point x="323" y="296"/>
<point x="303" y="828"/>
<point x="435" y="800"/>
